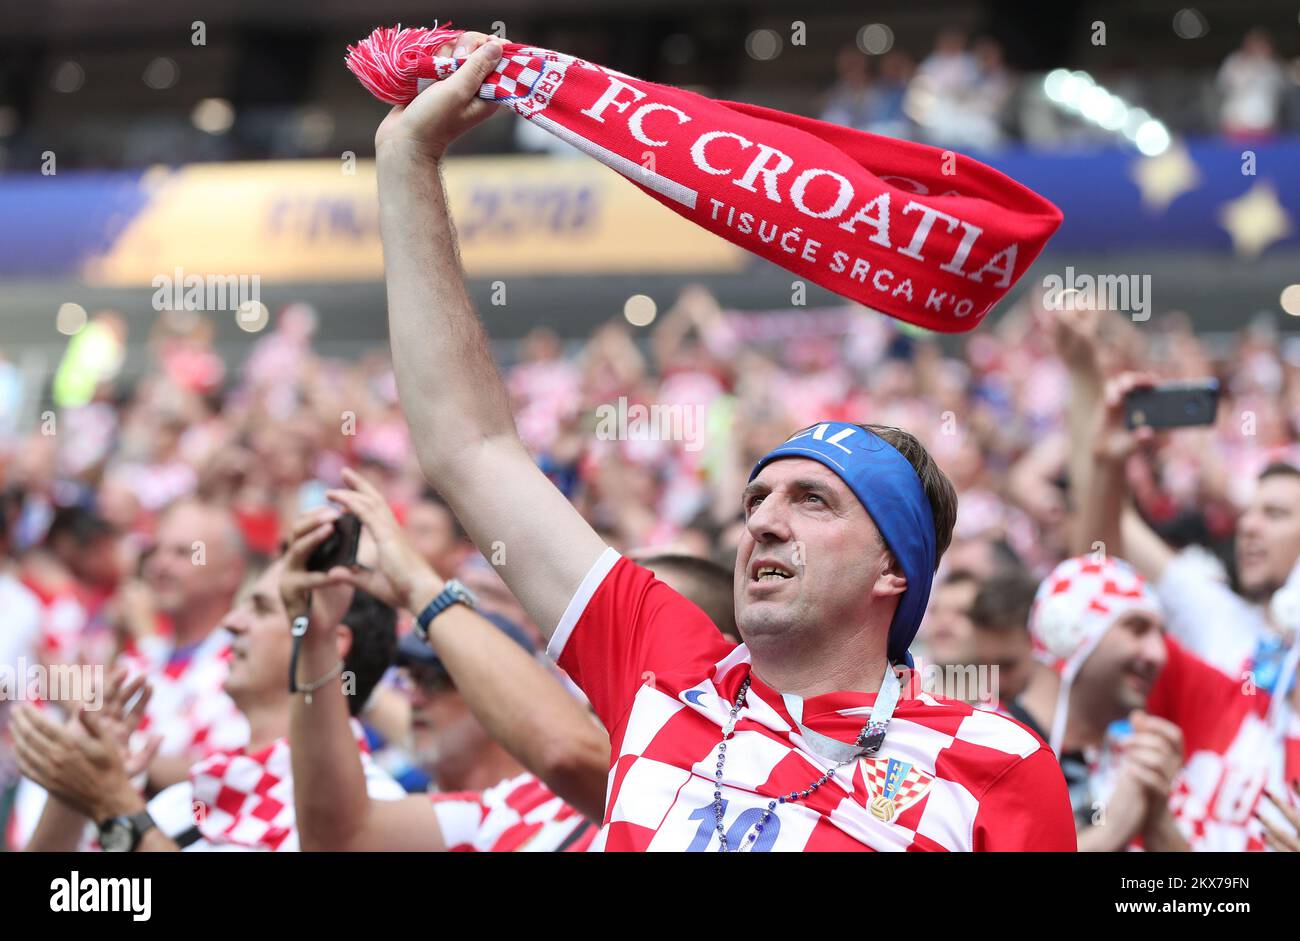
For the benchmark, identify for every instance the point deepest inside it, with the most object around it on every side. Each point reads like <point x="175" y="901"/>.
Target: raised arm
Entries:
<point x="1106" y="514"/>
<point x="331" y="806"/>
<point x="1107" y="447"/>
<point x="520" y="702"/>
<point x="449" y="386"/>
<point x="1074" y="333"/>
<point x="1102" y="512"/>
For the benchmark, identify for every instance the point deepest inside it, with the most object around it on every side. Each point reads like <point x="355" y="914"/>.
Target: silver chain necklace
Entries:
<point x="869" y="740"/>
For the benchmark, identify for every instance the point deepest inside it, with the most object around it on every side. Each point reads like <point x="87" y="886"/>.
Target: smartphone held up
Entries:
<point x="1172" y="404"/>
<point x="339" y="548"/>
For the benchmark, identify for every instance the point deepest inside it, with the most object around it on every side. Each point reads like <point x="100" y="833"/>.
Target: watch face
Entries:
<point x="115" y="837"/>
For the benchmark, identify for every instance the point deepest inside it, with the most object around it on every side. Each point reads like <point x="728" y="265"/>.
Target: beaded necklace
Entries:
<point x="869" y="741"/>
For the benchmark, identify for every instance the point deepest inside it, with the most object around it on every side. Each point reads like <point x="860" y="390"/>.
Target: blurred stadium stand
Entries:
<point x="279" y="67"/>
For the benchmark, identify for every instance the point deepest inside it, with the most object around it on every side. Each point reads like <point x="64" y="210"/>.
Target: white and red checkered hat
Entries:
<point x="1074" y="607"/>
<point x="1079" y="600"/>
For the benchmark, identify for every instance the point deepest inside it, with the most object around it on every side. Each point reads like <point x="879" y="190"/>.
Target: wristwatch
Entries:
<point x="123" y="834"/>
<point x="452" y="593"/>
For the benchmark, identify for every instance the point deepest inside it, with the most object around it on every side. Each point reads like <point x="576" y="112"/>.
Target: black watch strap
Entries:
<point x="141" y="824"/>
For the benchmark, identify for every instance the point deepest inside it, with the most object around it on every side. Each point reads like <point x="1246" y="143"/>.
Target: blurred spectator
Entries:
<point x="851" y="100"/>
<point x="94" y="355"/>
<point x="938" y="86"/>
<point x="948" y="637"/>
<point x="987" y="98"/>
<point x="437" y="535"/>
<point x="876" y="105"/>
<point x="241" y="798"/>
<point x="1252" y="82"/>
<point x="999" y="615"/>
<point x="192" y="576"/>
<point x="1099" y="626"/>
<point x="888" y="116"/>
<point x="957" y="95"/>
<point x="73" y="573"/>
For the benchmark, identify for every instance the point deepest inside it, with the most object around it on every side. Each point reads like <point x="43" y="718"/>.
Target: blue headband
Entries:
<point x="886" y="484"/>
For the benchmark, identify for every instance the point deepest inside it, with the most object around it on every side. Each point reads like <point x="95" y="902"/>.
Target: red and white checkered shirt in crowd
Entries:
<point x="1237" y="741"/>
<point x="189" y="707"/>
<point x="243" y="801"/>
<point x="63" y="621"/>
<point x="663" y="681"/>
<point x="518" y="815"/>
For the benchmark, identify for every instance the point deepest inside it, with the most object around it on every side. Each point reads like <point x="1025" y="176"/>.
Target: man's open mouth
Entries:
<point x="770" y="572"/>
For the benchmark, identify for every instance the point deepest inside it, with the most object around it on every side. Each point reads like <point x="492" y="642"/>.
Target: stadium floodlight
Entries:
<point x="1094" y="103"/>
<point x="1073" y="88"/>
<point x="1152" y="138"/>
<point x="1135" y="119"/>
<point x="1080" y="94"/>
<point x="1054" y="84"/>
<point x="1115" y="114"/>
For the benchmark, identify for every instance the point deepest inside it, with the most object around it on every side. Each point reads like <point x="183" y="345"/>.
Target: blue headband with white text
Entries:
<point x="886" y="484"/>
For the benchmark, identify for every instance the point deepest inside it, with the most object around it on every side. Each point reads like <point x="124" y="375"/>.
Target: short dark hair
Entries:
<point x="712" y="586"/>
<point x="938" y="488"/>
<point x="1003" y="601"/>
<point x="81" y="524"/>
<point x="374" y="644"/>
<point x="1279" y="469"/>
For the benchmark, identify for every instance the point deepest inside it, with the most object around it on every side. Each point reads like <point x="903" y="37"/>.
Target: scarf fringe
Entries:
<point x="384" y="62"/>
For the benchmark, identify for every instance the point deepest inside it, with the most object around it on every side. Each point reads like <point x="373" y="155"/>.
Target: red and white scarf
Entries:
<point x="921" y="234"/>
<point x="247" y="799"/>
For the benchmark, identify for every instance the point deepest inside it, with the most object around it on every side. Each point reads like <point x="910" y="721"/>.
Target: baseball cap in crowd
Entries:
<point x="413" y="652"/>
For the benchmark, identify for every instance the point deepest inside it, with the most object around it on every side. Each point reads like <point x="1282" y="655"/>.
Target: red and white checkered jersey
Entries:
<point x="63" y="621"/>
<point x="189" y="707"/>
<point x="241" y="801"/>
<point x="1237" y="741"/>
<point x="663" y="681"/>
<point x="518" y="815"/>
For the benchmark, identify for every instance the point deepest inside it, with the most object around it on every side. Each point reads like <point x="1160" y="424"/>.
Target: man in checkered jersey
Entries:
<point x="239" y="799"/>
<point x="801" y="738"/>
<point x="186" y="665"/>
<point x="518" y="760"/>
<point x="190" y="710"/>
<point x="1241" y="738"/>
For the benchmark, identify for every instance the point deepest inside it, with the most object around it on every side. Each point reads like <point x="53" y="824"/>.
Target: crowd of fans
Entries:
<point x="141" y="518"/>
<point x="963" y="95"/>
<point x="957" y="96"/>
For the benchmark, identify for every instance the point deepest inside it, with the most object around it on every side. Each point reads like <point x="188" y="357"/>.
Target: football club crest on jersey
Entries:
<point x="893" y="785"/>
